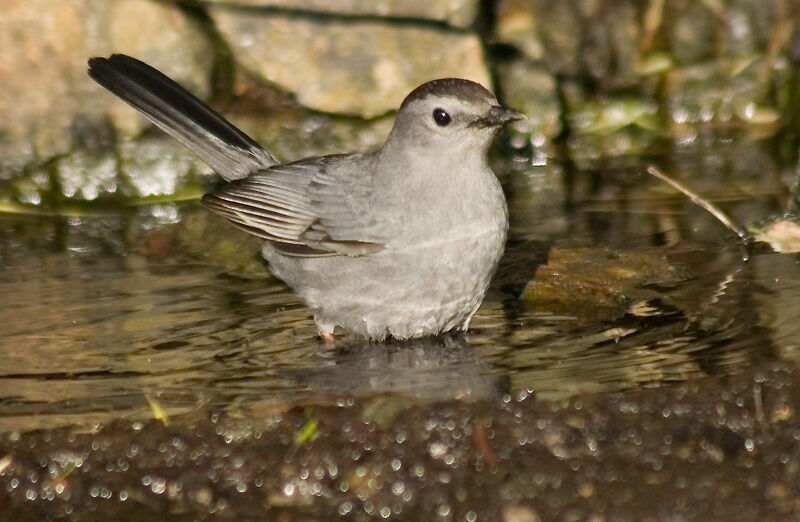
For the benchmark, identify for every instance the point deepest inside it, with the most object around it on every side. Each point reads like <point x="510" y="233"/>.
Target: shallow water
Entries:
<point x="103" y="312"/>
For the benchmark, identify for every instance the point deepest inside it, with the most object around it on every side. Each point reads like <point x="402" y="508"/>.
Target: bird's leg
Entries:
<point x="326" y="333"/>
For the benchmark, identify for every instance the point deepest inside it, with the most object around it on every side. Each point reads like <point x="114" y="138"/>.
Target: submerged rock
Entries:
<point x="597" y="284"/>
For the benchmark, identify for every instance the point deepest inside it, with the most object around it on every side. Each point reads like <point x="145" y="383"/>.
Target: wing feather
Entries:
<point x="306" y="208"/>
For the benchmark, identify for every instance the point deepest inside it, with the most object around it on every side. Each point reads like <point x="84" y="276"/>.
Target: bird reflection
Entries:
<point x="432" y="368"/>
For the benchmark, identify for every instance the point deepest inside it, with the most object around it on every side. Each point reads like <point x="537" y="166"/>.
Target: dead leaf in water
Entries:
<point x="782" y="235"/>
<point x="158" y="411"/>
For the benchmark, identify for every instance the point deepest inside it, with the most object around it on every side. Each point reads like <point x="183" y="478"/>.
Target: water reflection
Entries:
<point x="100" y="311"/>
<point x="447" y="366"/>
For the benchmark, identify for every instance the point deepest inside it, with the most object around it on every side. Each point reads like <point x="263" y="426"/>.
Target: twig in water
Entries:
<point x="702" y="202"/>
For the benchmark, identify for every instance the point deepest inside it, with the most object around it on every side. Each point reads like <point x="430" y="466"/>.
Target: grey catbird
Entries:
<point x="398" y="242"/>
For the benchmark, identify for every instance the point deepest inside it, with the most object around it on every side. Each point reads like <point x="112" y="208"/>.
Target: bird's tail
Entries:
<point x="226" y="149"/>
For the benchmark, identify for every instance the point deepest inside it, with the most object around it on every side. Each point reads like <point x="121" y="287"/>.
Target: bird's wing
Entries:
<point x="304" y="208"/>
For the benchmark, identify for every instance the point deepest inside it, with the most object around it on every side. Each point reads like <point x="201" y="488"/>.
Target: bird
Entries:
<point x="400" y="242"/>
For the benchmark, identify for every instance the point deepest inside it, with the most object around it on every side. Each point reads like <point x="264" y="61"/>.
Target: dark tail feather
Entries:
<point x="226" y="149"/>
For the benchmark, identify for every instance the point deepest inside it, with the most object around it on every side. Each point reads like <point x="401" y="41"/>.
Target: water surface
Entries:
<point x="105" y="311"/>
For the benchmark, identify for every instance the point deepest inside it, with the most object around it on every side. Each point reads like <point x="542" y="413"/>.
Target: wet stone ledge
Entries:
<point x="700" y="450"/>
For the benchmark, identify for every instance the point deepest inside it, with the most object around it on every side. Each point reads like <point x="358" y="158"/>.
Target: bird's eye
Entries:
<point x="441" y="117"/>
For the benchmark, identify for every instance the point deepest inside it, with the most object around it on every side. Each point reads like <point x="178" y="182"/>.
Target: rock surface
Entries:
<point x="610" y="76"/>
<point x="529" y="87"/>
<point x="43" y="53"/>
<point x="460" y="13"/>
<point x="359" y="68"/>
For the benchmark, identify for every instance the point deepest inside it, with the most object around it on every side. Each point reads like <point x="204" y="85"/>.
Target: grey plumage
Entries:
<point x="398" y="242"/>
<point x="449" y="87"/>
<point x="306" y="208"/>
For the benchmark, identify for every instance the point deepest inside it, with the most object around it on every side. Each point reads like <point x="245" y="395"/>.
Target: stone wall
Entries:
<point x="605" y="77"/>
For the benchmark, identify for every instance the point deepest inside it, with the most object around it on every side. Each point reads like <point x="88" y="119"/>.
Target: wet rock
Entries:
<point x="595" y="284"/>
<point x="297" y="133"/>
<point x="460" y="13"/>
<point x="360" y="68"/>
<point x="87" y="176"/>
<point x="613" y="125"/>
<point x="629" y="72"/>
<point x="166" y="38"/>
<point x="692" y="30"/>
<point x="518" y="25"/>
<point x="610" y="42"/>
<point x="561" y="36"/>
<point x="599" y="39"/>
<point x="157" y="165"/>
<point x="713" y="92"/>
<point x="531" y="88"/>
<point x="32" y="188"/>
<point x="43" y="52"/>
<point x="699" y="31"/>
<point x="152" y="166"/>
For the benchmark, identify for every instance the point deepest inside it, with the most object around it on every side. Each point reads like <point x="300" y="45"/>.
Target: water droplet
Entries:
<point x="158" y="486"/>
<point x="345" y="508"/>
<point x="437" y="449"/>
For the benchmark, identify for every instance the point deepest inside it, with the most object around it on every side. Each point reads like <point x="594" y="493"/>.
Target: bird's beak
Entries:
<point x="498" y="116"/>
